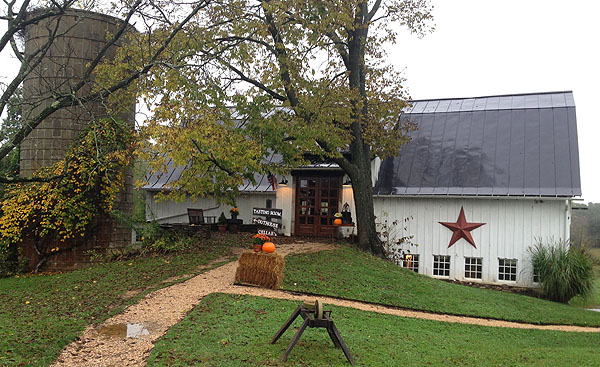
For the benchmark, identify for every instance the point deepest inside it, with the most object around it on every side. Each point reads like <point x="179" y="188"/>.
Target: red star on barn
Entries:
<point x="461" y="229"/>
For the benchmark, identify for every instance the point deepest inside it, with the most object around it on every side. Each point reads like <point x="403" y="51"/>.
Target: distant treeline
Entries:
<point x="585" y="225"/>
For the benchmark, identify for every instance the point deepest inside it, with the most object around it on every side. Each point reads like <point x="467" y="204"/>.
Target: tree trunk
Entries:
<point x="359" y="167"/>
<point x="365" y="216"/>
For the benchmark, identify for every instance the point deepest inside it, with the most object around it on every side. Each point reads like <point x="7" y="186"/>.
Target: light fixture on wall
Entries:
<point x="284" y="182"/>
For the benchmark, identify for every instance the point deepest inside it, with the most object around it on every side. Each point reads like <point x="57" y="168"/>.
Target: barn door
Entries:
<point x="317" y="200"/>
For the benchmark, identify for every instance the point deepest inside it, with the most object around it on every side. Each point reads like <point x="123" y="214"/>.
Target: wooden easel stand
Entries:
<point x="310" y="321"/>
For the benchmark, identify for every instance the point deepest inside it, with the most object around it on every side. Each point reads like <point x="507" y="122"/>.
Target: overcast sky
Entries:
<point x="484" y="48"/>
<point x="490" y="47"/>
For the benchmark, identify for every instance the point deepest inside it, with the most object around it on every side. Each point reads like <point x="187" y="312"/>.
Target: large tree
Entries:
<point x="148" y="16"/>
<point x="58" y="206"/>
<point x="293" y="77"/>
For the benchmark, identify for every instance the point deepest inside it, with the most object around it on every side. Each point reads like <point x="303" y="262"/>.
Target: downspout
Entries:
<point x="568" y="220"/>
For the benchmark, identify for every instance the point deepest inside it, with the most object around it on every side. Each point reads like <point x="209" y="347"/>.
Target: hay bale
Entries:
<point x="261" y="269"/>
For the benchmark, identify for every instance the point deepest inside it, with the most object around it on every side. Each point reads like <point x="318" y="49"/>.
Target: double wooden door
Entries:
<point x="317" y="200"/>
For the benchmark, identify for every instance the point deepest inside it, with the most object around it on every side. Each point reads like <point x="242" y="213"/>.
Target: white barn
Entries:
<point x="510" y="163"/>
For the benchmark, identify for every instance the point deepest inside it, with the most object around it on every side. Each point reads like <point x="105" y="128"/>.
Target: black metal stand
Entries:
<point x="310" y="321"/>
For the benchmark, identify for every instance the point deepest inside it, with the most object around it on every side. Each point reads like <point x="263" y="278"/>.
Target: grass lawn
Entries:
<point x="229" y="330"/>
<point x="348" y="273"/>
<point x="593" y="300"/>
<point x="40" y="314"/>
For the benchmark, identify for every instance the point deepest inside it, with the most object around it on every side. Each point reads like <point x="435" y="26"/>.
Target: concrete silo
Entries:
<point x="80" y="35"/>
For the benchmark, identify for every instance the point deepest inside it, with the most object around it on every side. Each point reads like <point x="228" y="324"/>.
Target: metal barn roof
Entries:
<point x="511" y="145"/>
<point x="157" y="181"/>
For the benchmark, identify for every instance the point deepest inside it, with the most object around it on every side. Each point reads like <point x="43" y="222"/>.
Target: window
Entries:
<point x="411" y="261"/>
<point x="441" y="265"/>
<point x="473" y="267"/>
<point x="507" y="269"/>
<point x="536" y="275"/>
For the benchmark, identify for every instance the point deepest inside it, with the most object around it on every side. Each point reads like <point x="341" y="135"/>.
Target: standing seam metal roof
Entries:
<point x="164" y="180"/>
<point x="510" y="145"/>
<point x="161" y="180"/>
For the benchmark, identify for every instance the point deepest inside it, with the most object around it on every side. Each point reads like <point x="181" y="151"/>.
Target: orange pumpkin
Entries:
<point x="268" y="247"/>
<point x="337" y="221"/>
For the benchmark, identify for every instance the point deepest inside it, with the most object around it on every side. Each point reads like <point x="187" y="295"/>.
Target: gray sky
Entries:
<point x="489" y="47"/>
<point x="504" y="47"/>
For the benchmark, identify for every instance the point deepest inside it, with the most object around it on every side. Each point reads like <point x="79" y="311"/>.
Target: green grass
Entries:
<point x="228" y="330"/>
<point x="348" y="273"/>
<point x="593" y="300"/>
<point x="40" y="314"/>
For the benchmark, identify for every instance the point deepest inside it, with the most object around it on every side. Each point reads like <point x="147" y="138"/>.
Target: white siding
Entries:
<point x="512" y="225"/>
<point x="285" y="201"/>
<point x="168" y="211"/>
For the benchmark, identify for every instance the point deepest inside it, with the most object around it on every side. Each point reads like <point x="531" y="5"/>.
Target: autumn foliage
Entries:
<point x="58" y="213"/>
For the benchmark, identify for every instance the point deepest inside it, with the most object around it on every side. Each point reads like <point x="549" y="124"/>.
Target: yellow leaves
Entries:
<point x="62" y="209"/>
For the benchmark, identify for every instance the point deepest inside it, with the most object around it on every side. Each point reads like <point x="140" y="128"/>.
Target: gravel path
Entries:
<point x="107" y="344"/>
<point x="402" y="312"/>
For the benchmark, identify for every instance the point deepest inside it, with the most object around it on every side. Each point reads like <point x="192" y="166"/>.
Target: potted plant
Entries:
<point x="258" y="240"/>
<point x="234" y="213"/>
<point x="222" y="223"/>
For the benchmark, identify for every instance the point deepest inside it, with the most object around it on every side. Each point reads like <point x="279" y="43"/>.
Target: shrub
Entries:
<point x="173" y="242"/>
<point x="9" y="262"/>
<point x="564" y="271"/>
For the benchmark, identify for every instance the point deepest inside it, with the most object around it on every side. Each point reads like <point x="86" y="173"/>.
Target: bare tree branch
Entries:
<point x="69" y="100"/>
<point x="211" y="158"/>
<point x="28" y="64"/>
<point x="373" y="11"/>
<point x="340" y="46"/>
<point x="254" y="82"/>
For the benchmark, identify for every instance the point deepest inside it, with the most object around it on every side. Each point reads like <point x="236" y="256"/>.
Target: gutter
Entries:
<point x="504" y="197"/>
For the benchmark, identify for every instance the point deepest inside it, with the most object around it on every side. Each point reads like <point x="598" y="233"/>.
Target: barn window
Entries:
<point x="473" y="267"/>
<point x="507" y="269"/>
<point x="536" y="275"/>
<point x="441" y="265"/>
<point x="411" y="261"/>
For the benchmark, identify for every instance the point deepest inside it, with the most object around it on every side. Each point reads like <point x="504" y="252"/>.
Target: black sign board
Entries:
<point x="265" y="223"/>
<point x="269" y="228"/>
<point x="268" y="212"/>
<point x="267" y="232"/>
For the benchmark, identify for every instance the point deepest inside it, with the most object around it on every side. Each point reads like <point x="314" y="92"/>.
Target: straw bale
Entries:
<point x="261" y="269"/>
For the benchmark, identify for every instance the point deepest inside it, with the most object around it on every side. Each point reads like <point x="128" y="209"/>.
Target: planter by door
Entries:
<point x="317" y="200"/>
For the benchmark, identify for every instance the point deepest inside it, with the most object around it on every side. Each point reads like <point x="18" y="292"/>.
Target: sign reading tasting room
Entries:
<point x="271" y="227"/>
